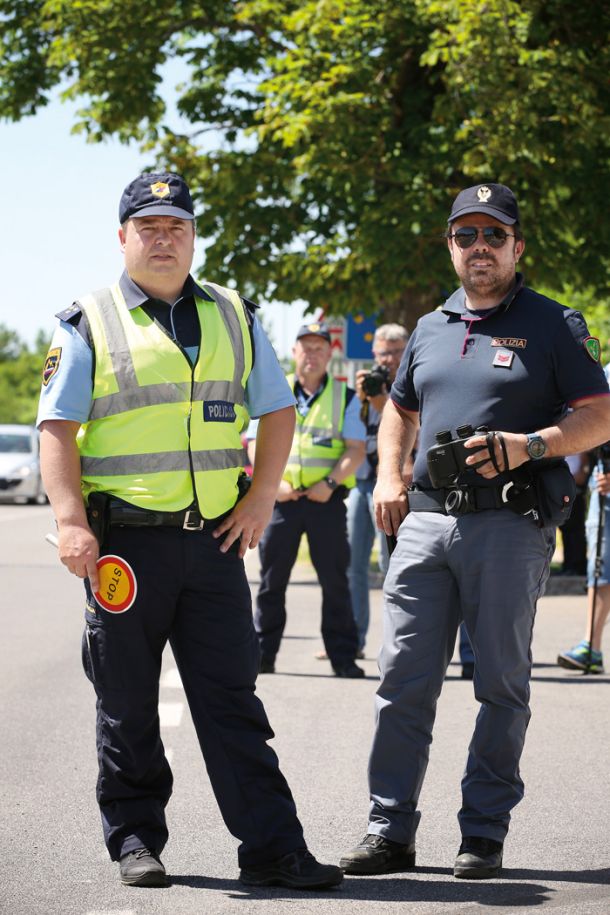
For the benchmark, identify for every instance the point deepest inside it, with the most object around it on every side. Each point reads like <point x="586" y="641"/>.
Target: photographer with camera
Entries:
<point x="372" y="387"/>
<point x="587" y="655"/>
<point x="476" y="530"/>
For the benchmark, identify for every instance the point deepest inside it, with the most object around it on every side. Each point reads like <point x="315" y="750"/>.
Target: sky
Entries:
<point x="60" y="232"/>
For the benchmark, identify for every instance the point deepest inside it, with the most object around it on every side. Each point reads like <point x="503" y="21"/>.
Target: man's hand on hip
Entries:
<point x="246" y="523"/>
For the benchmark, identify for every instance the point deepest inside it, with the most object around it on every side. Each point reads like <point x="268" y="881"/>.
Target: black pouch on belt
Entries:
<point x="555" y="492"/>
<point x="98" y="514"/>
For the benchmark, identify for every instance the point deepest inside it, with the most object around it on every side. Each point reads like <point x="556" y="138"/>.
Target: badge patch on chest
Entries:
<point x="514" y="342"/>
<point x="503" y="358"/>
<point x="218" y="411"/>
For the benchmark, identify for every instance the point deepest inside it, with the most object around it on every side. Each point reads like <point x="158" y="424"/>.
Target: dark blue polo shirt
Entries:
<point x="515" y="368"/>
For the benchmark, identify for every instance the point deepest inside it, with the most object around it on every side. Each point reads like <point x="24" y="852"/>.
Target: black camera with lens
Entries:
<point x="447" y="459"/>
<point x="374" y="383"/>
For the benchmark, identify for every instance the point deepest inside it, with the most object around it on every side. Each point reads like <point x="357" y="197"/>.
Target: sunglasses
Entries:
<point x="493" y="236"/>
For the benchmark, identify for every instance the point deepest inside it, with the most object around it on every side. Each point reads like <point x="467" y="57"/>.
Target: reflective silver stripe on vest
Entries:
<point x="337" y="402"/>
<point x="165" y="462"/>
<point x="310" y="462"/>
<point x="131" y="395"/>
<point x="318" y="431"/>
<point x="229" y="316"/>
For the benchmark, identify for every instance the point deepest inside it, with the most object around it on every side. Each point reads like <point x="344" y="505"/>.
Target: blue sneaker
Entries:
<point x="578" y="658"/>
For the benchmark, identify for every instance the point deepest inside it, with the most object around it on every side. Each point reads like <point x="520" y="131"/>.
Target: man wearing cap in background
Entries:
<point x="328" y="446"/>
<point x="145" y="392"/>
<point x="479" y="546"/>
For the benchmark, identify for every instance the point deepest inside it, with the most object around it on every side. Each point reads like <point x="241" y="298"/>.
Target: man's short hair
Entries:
<point x="391" y="332"/>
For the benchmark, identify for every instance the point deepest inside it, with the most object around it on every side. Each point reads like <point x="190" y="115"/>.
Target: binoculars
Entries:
<point x="447" y="459"/>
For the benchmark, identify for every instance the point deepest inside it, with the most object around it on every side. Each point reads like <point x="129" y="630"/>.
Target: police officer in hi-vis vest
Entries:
<point x="146" y="389"/>
<point x="328" y="446"/>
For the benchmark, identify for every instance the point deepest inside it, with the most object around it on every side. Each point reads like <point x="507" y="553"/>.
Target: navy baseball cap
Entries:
<point x="495" y="200"/>
<point x="314" y="330"/>
<point x="156" y="194"/>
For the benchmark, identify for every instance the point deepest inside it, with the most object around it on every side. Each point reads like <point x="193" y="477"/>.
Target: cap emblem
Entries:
<point x="314" y="328"/>
<point x="484" y="194"/>
<point x="159" y="189"/>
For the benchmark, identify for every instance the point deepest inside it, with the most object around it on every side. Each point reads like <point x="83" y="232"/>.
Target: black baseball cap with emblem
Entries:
<point x="314" y="330"/>
<point x="495" y="200"/>
<point x="156" y="194"/>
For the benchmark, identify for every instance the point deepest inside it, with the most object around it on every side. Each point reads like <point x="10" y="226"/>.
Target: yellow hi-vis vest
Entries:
<point x="162" y="433"/>
<point x="318" y="443"/>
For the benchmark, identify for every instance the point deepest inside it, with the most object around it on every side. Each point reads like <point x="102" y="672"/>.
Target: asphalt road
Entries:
<point x="52" y="858"/>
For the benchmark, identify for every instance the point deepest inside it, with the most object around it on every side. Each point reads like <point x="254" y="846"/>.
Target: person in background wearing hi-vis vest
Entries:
<point x="146" y="389"/>
<point x="328" y="446"/>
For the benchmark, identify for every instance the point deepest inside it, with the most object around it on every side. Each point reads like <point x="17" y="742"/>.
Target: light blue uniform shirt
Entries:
<point x="68" y="394"/>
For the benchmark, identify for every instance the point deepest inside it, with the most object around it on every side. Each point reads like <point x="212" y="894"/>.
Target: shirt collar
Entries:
<point x="301" y="394"/>
<point x="456" y="303"/>
<point x="136" y="297"/>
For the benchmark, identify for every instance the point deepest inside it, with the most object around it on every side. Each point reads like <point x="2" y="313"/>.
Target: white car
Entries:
<point x="20" y="465"/>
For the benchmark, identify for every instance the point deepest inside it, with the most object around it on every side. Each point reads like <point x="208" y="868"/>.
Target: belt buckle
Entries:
<point x="196" y="524"/>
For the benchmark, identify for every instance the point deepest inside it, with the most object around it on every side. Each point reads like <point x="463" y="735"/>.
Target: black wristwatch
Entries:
<point x="536" y="447"/>
<point x="331" y="483"/>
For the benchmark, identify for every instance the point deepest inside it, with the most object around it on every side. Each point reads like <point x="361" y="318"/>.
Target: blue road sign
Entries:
<point x="359" y="331"/>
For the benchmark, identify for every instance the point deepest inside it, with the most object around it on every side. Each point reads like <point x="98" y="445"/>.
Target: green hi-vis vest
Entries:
<point x="317" y="444"/>
<point x="160" y="431"/>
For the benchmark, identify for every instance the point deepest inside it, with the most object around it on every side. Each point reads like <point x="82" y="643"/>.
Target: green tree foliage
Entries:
<point x="20" y="370"/>
<point x="329" y="136"/>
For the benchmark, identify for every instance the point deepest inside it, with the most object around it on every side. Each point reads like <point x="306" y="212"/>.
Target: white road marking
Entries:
<point x="170" y="714"/>
<point x="111" y="912"/>
<point x="171" y="679"/>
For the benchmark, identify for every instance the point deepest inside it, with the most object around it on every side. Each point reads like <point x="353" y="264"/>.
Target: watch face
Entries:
<point x="536" y="447"/>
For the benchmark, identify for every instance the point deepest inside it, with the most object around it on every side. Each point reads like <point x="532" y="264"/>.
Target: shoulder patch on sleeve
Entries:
<point x="70" y="314"/>
<point x="51" y="364"/>
<point x="592" y="348"/>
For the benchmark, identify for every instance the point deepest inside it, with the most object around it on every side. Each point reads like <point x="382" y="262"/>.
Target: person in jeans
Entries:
<point x="389" y="344"/>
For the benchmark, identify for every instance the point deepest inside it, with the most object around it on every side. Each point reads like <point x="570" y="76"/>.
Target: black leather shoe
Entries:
<point x="298" y="870"/>
<point x="266" y="666"/>
<point x="349" y="670"/>
<point x="377" y="855"/>
<point x="142" y="868"/>
<point x="478" y="858"/>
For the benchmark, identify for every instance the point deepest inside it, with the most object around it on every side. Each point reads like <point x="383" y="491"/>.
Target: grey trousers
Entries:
<point x="489" y="569"/>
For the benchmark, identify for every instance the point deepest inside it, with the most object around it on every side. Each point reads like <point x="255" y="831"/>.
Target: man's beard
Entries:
<point x="492" y="284"/>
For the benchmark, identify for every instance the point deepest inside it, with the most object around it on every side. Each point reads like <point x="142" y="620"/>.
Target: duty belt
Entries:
<point x="188" y="519"/>
<point x="466" y="499"/>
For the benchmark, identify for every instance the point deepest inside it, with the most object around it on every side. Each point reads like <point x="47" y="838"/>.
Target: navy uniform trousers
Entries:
<point x="488" y="568"/>
<point x="325" y="525"/>
<point x="197" y="598"/>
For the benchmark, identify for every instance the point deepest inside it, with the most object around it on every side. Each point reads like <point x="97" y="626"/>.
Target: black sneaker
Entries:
<point x="349" y="670"/>
<point x="478" y="858"/>
<point x="142" y="867"/>
<point x="266" y="666"/>
<point x="298" y="870"/>
<point x="378" y="855"/>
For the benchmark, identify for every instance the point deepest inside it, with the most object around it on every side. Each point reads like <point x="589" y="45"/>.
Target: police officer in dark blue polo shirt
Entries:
<point x="476" y="530"/>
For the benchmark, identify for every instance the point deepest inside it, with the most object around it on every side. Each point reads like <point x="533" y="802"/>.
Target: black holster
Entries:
<point x="98" y="514"/>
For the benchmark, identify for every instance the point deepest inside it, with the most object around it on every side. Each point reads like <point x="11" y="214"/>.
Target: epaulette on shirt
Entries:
<point x="250" y="307"/>
<point x="71" y="314"/>
<point x="75" y="316"/>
